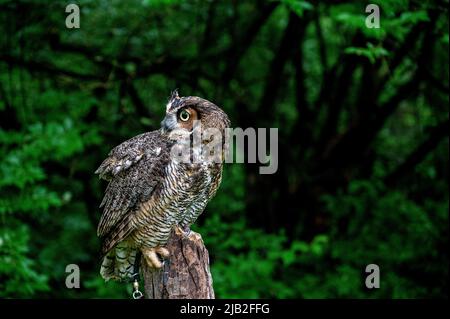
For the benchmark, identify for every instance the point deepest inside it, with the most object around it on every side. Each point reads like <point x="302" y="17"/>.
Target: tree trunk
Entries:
<point x="185" y="274"/>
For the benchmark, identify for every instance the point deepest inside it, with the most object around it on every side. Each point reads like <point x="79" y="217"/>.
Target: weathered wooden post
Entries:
<point x="185" y="274"/>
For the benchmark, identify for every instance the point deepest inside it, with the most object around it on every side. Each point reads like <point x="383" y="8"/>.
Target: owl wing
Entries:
<point x="134" y="169"/>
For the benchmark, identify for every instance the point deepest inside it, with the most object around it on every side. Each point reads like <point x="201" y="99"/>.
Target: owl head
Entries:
<point x="186" y="112"/>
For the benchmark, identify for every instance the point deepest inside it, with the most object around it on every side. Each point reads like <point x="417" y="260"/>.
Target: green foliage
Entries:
<point x="370" y="52"/>
<point x="21" y="279"/>
<point x="249" y="263"/>
<point x="298" y="6"/>
<point x="359" y="218"/>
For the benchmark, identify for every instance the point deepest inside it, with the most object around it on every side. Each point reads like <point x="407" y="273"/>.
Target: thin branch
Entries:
<point x="321" y="40"/>
<point x="400" y="53"/>
<point x="285" y="50"/>
<point x="330" y="79"/>
<point x="353" y="143"/>
<point x="437" y="133"/>
<point x="45" y="67"/>
<point x="356" y="140"/>
<point x="304" y="124"/>
<point x="8" y="116"/>
<point x="240" y="46"/>
<point x="140" y="106"/>
<point x="209" y="27"/>
<point x="436" y="83"/>
<point x="336" y="100"/>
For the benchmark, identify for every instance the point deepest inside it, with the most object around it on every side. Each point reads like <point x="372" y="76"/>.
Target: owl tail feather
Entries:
<point x="118" y="263"/>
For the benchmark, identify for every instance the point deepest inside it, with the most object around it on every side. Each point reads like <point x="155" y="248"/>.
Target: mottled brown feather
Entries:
<point x="129" y="184"/>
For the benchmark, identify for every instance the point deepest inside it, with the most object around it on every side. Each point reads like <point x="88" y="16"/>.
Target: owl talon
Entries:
<point x="152" y="258"/>
<point x="186" y="231"/>
<point x="163" y="252"/>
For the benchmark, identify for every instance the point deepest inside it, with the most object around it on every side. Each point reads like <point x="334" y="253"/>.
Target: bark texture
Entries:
<point x="185" y="274"/>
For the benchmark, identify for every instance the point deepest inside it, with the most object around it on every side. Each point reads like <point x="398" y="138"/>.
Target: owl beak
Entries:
<point x="164" y="126"/>
<point x="168" y="123"/>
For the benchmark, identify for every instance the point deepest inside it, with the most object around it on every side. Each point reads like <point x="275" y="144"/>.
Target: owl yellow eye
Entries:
<point x="184" y="115"/>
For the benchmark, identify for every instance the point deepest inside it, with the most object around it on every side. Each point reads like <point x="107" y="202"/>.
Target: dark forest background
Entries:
<point x="363" y="139"/>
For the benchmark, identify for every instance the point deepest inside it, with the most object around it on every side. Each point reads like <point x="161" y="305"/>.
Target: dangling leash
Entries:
<point x="137" y="294"/>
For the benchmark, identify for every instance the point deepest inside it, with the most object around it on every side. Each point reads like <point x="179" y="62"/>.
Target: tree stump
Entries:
<point x="185" y="274"/>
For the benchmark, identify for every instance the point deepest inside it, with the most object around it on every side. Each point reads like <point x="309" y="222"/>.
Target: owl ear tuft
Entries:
<point x="173" y="100"/>
<point x="174" y="95"/>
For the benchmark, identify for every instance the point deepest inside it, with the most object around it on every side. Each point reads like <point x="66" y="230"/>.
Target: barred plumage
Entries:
<point x="149" y="192"/>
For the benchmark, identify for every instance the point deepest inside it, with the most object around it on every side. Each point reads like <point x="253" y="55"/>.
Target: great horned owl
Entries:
<point x="149" y="192"/>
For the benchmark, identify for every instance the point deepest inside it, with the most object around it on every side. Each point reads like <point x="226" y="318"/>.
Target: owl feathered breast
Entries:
<point x="135" y="170"/>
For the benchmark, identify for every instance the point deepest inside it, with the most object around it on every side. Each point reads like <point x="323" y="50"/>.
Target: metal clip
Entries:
<point x="136" y="293"/>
